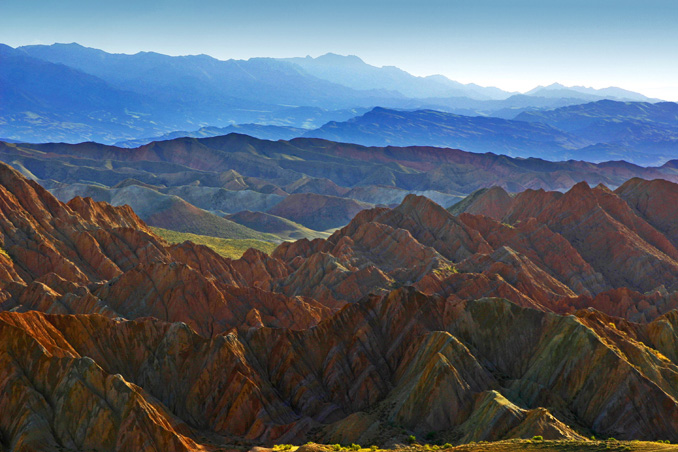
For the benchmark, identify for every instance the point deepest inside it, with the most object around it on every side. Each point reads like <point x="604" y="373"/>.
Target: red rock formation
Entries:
<point x="547" y="249"/>
<point x="493" y="202"/>
<point x="418" y="362"/>
<point x="561" y="251"/>
<point x="62" y="252"/>
<point x="608" y="234"/>
<point x="656" y="201"/>
<point x="319" y="212"/>
<point x="622" y="246"/>
<point x="160" y="347"/>
<point x="55" y="398"/>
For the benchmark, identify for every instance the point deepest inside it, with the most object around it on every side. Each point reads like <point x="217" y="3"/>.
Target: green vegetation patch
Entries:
<point x="231" y="248"/>
<point x="536" y="444"/>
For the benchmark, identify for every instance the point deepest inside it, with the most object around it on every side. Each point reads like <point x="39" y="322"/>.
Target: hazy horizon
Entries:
<point x="515" y="46"/>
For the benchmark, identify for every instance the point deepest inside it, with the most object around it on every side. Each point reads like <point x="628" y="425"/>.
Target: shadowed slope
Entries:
<point x="435" y="365"/>
<point x="92" y="257"/>
<point x="177" y="348"/>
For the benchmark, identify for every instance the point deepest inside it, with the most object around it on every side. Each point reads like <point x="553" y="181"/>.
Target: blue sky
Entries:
<point x="514" y="45"/>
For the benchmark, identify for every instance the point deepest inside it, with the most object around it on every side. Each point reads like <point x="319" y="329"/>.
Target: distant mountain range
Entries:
<point x="265" y="132"/>
<point x="353" y="72"/>
<point x="559" y="91"/>
<point x="71" y="93"/>
<point x="641" y="133"/>
<point x="384" y="127"/>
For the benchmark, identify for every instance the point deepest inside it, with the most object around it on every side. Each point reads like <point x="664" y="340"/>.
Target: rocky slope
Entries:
<point x="317" y="211"/>
<point x="166" y="210"/>
<point x="484" y="369"/>
<point x="227" y="174"/>
<point x="655" y="202"/>
<point x="408" y="320"/>
<point x="91" y="257"/>
<point x="281" y="227"/>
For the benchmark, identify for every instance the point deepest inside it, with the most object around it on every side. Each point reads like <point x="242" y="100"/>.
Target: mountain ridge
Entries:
<point x="352" y="71"/>
<point x="409" y="168"/>
<point x="415" y="332"/>
<point x="641" y="133"/>
<point x="611" y="92"/>
<point x="155" y="94"/>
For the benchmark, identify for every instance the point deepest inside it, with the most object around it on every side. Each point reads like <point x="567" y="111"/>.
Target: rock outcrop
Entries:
<point x="603" y="240"/>
<point x="87" y="257"/>
<point x="319" y="212"/>
<point x="557" y="319"/>
<point x="484" y="369"/>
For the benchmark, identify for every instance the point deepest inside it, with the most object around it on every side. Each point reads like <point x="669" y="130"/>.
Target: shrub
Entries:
<point x="4" y="253"/>
<point x="447" y="446"/>
<point x="354" y="447"/>
<point x="411" y="439"/>
<point x="373" y="447"/>
<point x="538" y="438"/>
<point x="336" y="447"/>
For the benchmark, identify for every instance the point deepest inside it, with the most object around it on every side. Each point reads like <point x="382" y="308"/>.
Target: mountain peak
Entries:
<point x="577" y="91"/>
<point x="552" y="86"/>
<point x="339" y="59"/>
<point x="73" y="45"/>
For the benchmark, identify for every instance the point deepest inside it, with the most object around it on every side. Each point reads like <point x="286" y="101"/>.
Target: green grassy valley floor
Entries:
<point x="514" y="445"/>
<point x="231" y="248"/>
<point x="569" y="446"/>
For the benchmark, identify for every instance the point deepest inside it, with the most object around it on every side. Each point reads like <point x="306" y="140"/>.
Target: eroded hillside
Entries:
<point x="555" y="318"/>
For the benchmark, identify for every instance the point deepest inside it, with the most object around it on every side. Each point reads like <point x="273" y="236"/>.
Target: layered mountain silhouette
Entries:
<point x="641" y="133"/>
<point x="353" y="72"/>
<point x="384" y="127"/>
<point x="198" y="185"/>
<point x="558" y="321"/>
<point x="265" y="132"/>
<point x="63" y="103"/>
<point x="71" y="93"/>
<point x="559" y="91"/>
<point x="74" y="93"/>
<point x="263" y="81"/>
<point x="638" y="132"/>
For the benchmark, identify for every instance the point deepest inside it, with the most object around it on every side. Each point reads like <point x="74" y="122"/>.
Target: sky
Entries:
<point x="512" y="44"/>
